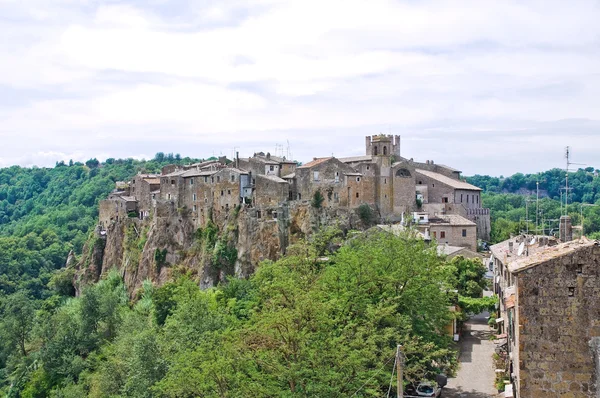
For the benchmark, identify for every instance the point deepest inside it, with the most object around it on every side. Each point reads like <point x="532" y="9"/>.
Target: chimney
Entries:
<point x="565" y="229"/>
<point x="237" y="160"/>
<point x="510" y="246"/>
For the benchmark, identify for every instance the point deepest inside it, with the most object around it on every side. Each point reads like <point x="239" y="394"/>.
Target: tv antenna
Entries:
<point x="568" y="157"/>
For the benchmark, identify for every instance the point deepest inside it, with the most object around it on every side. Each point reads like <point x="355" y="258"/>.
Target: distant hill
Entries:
<point x="510" y="200"/>
<point x="585" y="184"/>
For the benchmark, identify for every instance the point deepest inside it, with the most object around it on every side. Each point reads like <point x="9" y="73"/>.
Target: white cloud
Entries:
<point x="81" y="77"/>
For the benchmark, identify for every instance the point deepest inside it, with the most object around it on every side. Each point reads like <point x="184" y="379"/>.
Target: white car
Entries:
<point x="426" y="389"/>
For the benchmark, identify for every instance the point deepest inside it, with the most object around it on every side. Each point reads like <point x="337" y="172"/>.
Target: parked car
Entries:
<point x="426" y="389"/>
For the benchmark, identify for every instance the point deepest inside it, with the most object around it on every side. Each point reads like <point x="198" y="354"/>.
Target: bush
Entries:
<point x="366" y="214"/>
<point x="317" y="200"/>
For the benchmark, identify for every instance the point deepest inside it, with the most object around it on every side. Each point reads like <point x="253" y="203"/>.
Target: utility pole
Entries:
<point x="399" y="371"/>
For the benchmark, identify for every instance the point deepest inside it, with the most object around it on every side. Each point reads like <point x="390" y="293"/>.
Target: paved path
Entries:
<point x="475" y="378"/>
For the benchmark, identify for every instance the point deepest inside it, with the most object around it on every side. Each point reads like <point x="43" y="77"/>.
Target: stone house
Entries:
<point x="338" y="183"/>
<point x="143" y="188"/>
<point x="270" y="191"/>
<point x="448" y="229"/>
<point x="116" y="207"/>
<point x="549" y="311"/>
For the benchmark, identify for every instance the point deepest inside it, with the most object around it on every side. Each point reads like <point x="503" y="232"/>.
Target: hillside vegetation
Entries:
<point x="512" y="201"/>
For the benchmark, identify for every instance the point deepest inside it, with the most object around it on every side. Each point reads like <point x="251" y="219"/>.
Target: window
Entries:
<point x="172" y="182"/>
<point x="375" y="151"/>
<point x="271" y="168"/>
<point x="257" y="213"/>
<point x="434" y="234"/>
<point x="232" y="178"/>
<point x="336" y="197"/>
<point x="464" y="233"/>
<point x="367" y="167"/>
<point x="385" y="180"/>
<point x="194" y="208"/>
<point x="571" y="292"/>
<point x="337" y="176"/>
<point x="229" y="192"/>
<point x="357" y="194"/>
<point x="467" y="198"/>
<point x="218" y="178"/>
<point x="205" y="178"/>
<point x="315" y="176"/>
<point x="385" y="150"/>
<point x="212" y="179"/>
<point x="253" y="181"/>
<point x="205" y="200"/>
<point x="194" y="197"/>
<point x="222" y="192"/>
<point x="445" y="200"/>
<point x="274" y="214"/>
<point x="169" y="196"/>
<point x="153" y="196"/>
<point x="191" y="181"/>
<point x="420" y="182"/>
<point x="461" y="198"/>
<point x="442" y="234"/>
<point x="357" y="179"/>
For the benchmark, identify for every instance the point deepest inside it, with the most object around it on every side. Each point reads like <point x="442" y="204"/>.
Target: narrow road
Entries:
<point x="475" y="378"/>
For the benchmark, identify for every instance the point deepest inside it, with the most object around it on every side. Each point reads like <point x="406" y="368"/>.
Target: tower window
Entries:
<point x="375" y="151"/>
<point x="385" y="150"/>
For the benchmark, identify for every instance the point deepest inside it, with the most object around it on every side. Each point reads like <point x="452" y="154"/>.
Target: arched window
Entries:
<point x="375" y="151"/>
<point x="405" y="173"/>
<point x="385" y="150"/>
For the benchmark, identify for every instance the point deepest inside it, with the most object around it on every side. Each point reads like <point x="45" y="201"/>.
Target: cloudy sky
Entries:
<point x="491" y="87"/>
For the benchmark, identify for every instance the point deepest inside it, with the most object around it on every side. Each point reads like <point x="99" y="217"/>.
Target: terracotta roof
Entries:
<point x="457" y="184"/>
<point x="452" y="219"/>
<point x="272" y="178"/>
<point x="293" y="175"/>
<point x="314" y="163"/>
<point x="152" y="180"/>
<point x="352" y="159"/>
<point x="175" y="173"/>
<point x="521" y="263"/>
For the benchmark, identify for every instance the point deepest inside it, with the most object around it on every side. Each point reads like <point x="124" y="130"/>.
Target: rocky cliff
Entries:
<point x="160" y="247"/>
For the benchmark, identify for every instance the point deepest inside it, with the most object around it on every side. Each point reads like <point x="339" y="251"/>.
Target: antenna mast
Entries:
<point x="568" y="157"/>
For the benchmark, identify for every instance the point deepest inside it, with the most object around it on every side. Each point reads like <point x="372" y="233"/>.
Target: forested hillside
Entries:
<point x="47" y="212"/>
<point x="512" y="201"/>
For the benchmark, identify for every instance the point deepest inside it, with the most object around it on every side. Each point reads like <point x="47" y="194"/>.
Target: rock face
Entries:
<point x="160" y="247"/>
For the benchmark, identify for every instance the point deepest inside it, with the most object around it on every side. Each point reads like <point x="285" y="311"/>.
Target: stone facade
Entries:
<point x="550" y="309"/>
<point x="381" y="179"/>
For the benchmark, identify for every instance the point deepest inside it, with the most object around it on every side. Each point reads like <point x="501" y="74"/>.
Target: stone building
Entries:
<point x="338" y="183"/>
<point x="392" y="185"/>
<point x="549" y="311"/>
<point x="144" y="188"/>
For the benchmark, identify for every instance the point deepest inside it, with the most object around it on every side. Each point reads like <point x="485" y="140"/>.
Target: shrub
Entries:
<point x="317" y="200"/>
<point x="366" y="214"/>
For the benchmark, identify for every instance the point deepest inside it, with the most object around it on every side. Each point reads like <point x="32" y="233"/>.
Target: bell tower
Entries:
<point x="383" y="145"/>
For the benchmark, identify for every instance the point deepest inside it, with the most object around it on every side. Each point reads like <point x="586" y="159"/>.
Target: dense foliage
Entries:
<point x="47" y="212"/>
<point x="512" y="201"/>
<point x="306" y="325"/>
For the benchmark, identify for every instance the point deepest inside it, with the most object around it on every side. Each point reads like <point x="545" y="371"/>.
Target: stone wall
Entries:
<point x="558" y="312"/>
<point x="453" y="235"/>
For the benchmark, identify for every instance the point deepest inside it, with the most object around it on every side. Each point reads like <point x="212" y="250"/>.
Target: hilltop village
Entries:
<point x="431" y="196"/>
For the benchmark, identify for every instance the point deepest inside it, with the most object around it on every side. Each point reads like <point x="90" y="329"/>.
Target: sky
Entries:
<point x="487" y="87"/>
